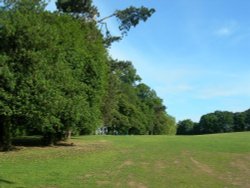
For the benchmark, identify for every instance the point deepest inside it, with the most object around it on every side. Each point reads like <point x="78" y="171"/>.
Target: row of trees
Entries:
<point x="217" y="122"/>
<point x="57" y="78"/>
<point x="131" y="107"/>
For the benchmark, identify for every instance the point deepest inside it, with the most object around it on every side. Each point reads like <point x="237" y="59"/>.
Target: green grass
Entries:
<point x="219" y="160"/>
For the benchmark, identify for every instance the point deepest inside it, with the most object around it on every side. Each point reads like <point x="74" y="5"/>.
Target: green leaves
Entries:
<point x="56" y="74"/>
<point x="131" y="16"/>
<point x="131" y="107"/>
<point x="82" y="8"/>
<point x="52" y="73"/>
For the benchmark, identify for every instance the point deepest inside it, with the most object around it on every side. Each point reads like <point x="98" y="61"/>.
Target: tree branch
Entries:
<point x="105" y="18"/>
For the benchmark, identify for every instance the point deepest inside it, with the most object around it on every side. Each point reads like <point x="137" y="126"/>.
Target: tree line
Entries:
<point x="57" y="77"/>
<point x="216" y="122"/>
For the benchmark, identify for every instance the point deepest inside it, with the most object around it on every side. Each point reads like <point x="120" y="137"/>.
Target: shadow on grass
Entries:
<point x="28" y="141"/>
<point x="2" y="181"/>
<point x="64" y="144"/>
<point x="36" y="141"/>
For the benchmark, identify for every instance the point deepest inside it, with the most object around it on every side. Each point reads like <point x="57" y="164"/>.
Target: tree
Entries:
<point x="247" y="119"/>
<point x="127" y="18"/>
<point x="56" y="77"/>
<point x="185" y="127"/>
<point x="126" y="113"/>
<point x="80" y="8"/>
<point x="217" y="122"/>
<point x="130" y="17"/>
<point x="131" y="107"/>
<point x="17" y="62"/>
<point x="240" y="121"/>
<point x="53" y="72"/>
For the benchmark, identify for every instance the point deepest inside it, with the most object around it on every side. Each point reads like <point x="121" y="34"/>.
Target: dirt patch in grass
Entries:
<point x="240" y="175"/>
<point x="136" y="184"/>
<point x="144" y="163"/>
<point x="102" y="183"/>
<point x="66" y="150"/>
<point x="237" y="173"/>
<point x="160" y="165"/>
<point x="203" y="167"/>
<point x="126" y="164"/>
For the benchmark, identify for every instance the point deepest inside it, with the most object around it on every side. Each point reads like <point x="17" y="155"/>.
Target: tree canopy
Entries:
<point x="216" y="122"/>
<point x="57" y="78"/>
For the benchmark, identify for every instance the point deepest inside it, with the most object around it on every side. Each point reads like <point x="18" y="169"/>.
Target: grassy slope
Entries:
<point x="220" y="160"/>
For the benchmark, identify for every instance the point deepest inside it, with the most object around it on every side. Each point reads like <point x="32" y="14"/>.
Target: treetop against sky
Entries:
<point x="195" y="53"/>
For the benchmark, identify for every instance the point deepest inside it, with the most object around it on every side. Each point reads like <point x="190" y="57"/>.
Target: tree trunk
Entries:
<point x="5" y="134"/>
<point x="1" y="132"/>
<point x="68" y="134"/>
<point x="48" y="139"/>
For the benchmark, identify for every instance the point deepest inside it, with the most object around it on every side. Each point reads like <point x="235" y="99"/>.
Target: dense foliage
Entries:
<point x="217" y="122"/>
<point x="56" y="78"/>
<point x="132" y="107"/>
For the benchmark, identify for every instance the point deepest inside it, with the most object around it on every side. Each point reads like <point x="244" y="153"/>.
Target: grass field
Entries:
<point x="219" y="160"/>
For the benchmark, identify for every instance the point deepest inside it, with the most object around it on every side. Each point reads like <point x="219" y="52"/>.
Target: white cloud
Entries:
<point x="227" y="29"/>
<point x="224" y="31"/>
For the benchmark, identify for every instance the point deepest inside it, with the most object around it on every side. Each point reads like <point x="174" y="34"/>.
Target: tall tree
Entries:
<point x="53" y="71"/>
<point x="80" y="8"/>
<point x="127" y="18"/>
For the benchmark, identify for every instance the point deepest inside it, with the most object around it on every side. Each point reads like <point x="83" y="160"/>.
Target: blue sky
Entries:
<point x="194" y="53"/>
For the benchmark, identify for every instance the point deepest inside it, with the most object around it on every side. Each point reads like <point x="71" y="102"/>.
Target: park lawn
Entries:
<point x="218" y="160"/>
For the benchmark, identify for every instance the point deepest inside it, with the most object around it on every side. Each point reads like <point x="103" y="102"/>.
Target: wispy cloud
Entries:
<point x="224" y="31"/>
<point x="227" y="29"/>
<point x="210" y="93"/>
<point x="236" y="86"/>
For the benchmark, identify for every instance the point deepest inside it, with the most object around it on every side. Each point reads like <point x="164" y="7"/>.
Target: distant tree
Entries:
<point x="132" y="107"/>
<point x="111" y="97"/>
<point x="217" y="122"/>
<point x="240" y="121"/>
<point x="185" y="127"/>
<point x="164" y="124"/>
<point x="196" y="128"/>
<point x="171" y="127"/>
<point x="247" y="119"/>
<point x="209" y="124"/>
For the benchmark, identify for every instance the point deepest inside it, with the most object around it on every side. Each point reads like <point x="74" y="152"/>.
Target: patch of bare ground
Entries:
<point x="65" y="149"/>
<point x="176" y="162"/>
<point x="135" y="184"/>
<point x="198" y="164"/>
<point x="102" y="183"/>
<point x="241" y="171"/>
<point x="144" y="165"/>
<point x="125" y="164"/>
<point x="159" y="165"/>
<point x="237" y="172"/>
<point x="203" y="167"/>
<point x="88" y="175"/>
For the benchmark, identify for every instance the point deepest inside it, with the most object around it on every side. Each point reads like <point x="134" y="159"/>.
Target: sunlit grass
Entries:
<point x="220" y="160"/>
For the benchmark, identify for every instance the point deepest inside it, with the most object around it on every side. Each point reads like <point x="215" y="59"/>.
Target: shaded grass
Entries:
<point x="27" y="141"/>
<point x="220" y="160"/>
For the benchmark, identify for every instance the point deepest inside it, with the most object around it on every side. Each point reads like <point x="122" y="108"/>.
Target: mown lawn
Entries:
<point x="219" y="160"/>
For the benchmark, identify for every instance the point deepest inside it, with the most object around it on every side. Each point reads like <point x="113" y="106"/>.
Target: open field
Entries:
<point x="219" y="160"/>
